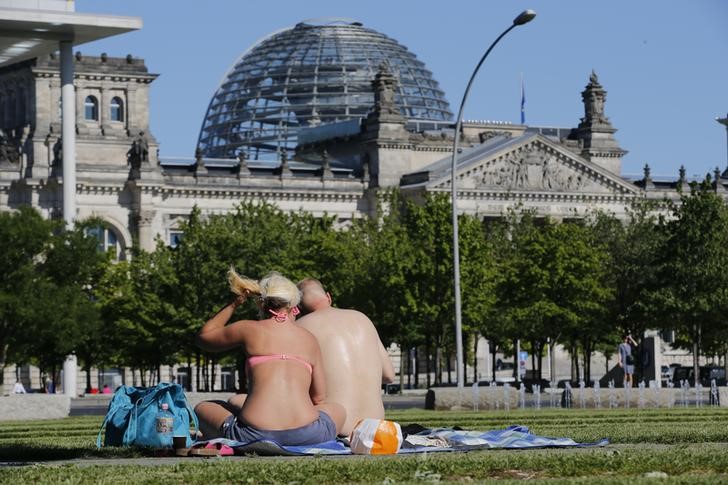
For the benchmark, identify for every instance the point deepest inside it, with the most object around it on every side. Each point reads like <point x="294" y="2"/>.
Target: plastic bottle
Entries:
<point x="165" y="425"/>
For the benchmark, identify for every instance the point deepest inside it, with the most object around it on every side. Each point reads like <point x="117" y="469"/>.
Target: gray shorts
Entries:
<point x="323" y="429"/>
<point x="629" y="369"/>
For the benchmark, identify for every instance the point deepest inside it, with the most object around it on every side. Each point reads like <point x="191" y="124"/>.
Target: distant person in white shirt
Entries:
<point x="18" y="388"/>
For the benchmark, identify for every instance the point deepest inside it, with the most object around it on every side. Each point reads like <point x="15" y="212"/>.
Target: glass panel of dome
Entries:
<point x="328" y="58"/>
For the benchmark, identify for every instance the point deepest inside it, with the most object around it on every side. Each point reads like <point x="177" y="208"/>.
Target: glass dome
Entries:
<point x="313" y="73"/>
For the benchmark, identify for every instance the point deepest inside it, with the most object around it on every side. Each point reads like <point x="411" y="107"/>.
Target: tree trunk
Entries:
<point x="493" y="349"/>
<point x="476" y="377"/>
<point x="417" y="370"/>
<point x="409" y="368"/>
<point x="212" y="374"/>
<point x="465" y="363"/>
<point x="189" y="373"/>
<point x="197" y="371"/>
<point x="427" y="365"/>
<point x="87" y="369"/>
<point x="402" y="361"/>
<point x="696" y="355"/>
<point x="3" y="355"/>
<point x="449" y="368"/>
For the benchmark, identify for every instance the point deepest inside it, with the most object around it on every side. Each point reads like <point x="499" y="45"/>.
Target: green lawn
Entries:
<point x="689" y="445"/>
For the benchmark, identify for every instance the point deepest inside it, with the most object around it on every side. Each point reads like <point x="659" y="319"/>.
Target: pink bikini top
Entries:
<point x="259" y="359"/>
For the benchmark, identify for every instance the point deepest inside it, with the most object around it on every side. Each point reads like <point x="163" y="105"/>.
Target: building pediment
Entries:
<point x="530" y="163"/>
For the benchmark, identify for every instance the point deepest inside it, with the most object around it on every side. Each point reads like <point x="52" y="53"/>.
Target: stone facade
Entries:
<point x="337" y="169"/>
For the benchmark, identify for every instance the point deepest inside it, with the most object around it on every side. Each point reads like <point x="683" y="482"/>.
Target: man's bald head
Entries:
<point x="313" y="295"/>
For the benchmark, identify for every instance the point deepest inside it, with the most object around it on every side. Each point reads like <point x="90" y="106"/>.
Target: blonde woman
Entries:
<point x="286" y="402"/>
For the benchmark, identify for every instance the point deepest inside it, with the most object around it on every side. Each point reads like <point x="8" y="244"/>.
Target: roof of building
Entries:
<point x="314" y="73"/>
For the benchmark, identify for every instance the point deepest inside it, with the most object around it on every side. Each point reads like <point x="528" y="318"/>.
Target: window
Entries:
<point x="91" y="108"/>
<point x="117" y="109"/>
<point x="107" y="240"/>
<point x="175" y="237"/>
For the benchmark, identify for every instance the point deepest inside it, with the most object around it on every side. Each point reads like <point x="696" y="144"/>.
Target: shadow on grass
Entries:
<point x="36" y="453"/>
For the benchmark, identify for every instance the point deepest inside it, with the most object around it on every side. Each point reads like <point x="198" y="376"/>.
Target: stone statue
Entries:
<point x="139" y="151"/>
<point x="8" y="149"/>
<point x="384" y="90"/>
<point x="58" y="151"/>
<point x="531" y="169"/>
<point x="594" y="96"/>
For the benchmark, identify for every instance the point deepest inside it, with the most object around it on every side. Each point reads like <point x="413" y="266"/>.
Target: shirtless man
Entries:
<point x="354" y="359"/>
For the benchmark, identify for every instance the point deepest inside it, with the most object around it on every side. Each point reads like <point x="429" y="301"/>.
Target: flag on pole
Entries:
<point x="523" y="102"/>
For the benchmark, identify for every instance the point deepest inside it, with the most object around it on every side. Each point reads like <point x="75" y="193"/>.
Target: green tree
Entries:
<point x="136" y="304"/>
<point x="694" y="295"/>
<point x="24" y="238"/>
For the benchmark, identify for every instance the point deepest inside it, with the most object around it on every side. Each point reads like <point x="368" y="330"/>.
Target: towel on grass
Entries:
<point x="428" y="440"/>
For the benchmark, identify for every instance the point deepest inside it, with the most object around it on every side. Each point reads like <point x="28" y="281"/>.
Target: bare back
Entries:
<point x="352" y="357"/>
<point x="281" y="390"/>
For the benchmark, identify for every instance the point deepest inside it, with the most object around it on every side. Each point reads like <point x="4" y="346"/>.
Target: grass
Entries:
<point x="688" y="445"/>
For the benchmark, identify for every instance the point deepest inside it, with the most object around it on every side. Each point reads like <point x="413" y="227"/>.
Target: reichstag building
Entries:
<point x="321" y="116"/>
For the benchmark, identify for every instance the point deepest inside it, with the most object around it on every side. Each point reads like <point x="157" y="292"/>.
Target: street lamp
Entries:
<point x="724" y="122"/>
<point x="524" y="17"/>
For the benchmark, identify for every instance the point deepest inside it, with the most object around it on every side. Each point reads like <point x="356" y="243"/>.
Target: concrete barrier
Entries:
<point x="452" y="399"/>
<point x="194" y="398"/>
<point x="24" y="407"/>
<point x="488" y="398"/>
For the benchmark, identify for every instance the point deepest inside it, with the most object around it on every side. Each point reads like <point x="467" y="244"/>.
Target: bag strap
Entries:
<point x="108" y="417"/>
<point x="114" y="407"/>
<point x="130" y="433"/>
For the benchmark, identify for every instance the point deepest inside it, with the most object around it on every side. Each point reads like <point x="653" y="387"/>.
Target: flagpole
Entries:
<point x="523" y="102"/>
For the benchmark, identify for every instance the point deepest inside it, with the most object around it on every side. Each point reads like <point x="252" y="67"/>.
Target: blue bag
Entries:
<point x="132" y="414"/>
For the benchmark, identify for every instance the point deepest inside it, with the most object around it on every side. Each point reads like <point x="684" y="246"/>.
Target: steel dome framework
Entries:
<point x="311" y="74"/>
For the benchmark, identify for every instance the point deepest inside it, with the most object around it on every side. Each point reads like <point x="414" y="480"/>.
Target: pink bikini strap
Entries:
<point x="281" y="315"/>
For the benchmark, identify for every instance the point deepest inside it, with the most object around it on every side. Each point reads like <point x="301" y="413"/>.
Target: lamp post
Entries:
<point x="724" y="122"/>
<point x="524" y="17"/>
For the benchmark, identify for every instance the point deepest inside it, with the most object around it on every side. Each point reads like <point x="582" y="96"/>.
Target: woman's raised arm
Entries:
<point x="215" y="335"/>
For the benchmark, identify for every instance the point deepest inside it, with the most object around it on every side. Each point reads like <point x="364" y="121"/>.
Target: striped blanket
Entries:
<point x="426" y="441"/>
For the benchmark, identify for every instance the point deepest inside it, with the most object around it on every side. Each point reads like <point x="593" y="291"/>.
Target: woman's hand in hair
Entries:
<point x="240" y="299"/>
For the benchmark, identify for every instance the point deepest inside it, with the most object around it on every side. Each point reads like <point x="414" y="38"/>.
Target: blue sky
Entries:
<point x="664" y="63"/>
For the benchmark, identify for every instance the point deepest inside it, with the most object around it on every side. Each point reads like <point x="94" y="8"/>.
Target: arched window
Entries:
<point x="107" y="240"/>
<point x="117" y="109"/>
<point x="91" y="108"/>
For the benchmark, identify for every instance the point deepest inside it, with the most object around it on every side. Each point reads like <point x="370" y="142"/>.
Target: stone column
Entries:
<point x="104" y="107"/>
<point x="68" y="117"/>
<point x="131" y="115"/>
<point x="81" y="123"/>
<point x="145" y="231"/>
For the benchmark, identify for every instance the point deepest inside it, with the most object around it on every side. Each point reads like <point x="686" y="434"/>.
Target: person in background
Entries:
<point x="18" y="388"/>
<point x="626" y="359"/>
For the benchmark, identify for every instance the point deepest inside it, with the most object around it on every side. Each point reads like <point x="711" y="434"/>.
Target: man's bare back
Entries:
<point x="355" y="361"/>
